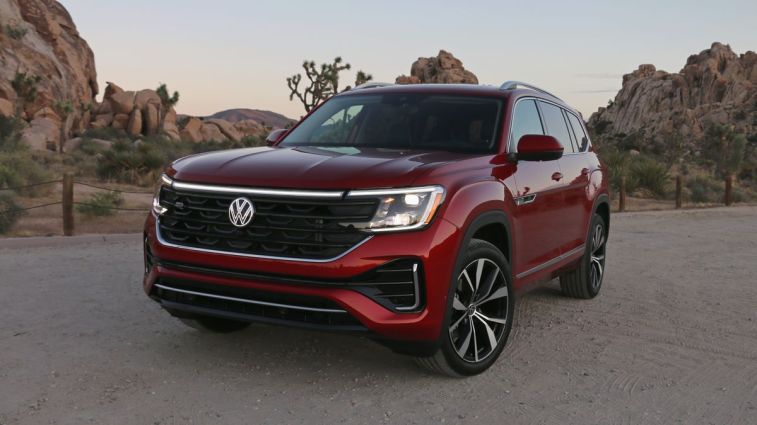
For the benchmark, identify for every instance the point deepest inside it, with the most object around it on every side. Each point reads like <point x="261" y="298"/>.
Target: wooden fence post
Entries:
<point x="679" y="192"/>
<point x="728" y="190"/>
<point x="622" y="197"/>
<point x="68" y="204"/>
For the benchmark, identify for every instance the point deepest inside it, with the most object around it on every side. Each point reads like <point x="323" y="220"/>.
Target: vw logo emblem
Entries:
<point x="241" y="212"/>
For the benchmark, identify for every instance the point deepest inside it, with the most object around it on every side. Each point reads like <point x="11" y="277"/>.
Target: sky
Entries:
<point x="237" y="54"/>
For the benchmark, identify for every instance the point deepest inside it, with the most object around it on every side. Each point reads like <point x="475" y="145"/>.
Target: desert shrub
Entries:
<point x="16" y="32"/>
<point x="649" y="174"/>
<point x="18" y="166"/>
<point x="106" y="133"/>
<point x="9" y="212"/>
<point x="705" y="189"/>
<point x="100" y="204"/>
<point x="618" y="164"/>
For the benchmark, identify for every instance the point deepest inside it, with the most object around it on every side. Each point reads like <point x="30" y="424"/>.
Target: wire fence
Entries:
<point x="80" y="183"/>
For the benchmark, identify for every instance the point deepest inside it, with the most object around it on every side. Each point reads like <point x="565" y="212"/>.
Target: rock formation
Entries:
<point x="716" y="85"/>
<point x="43" y="42"/>
<point x="443" y="69"/>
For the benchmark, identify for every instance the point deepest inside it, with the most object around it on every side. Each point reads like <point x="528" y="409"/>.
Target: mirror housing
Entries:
<point x="275" y="136"/>
<point x="539" y="147"/>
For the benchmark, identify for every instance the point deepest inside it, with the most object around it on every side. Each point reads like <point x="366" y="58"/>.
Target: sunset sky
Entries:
<point x="230" y="54"/>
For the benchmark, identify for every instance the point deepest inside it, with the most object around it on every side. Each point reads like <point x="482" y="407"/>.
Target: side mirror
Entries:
<point x="539" y="147"/>
<point x="275" y="136"/>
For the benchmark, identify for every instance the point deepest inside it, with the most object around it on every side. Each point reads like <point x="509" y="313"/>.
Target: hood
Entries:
<point x="309" y="167"/>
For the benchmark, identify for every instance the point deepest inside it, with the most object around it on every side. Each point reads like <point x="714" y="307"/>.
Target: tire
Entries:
<point x="479" y="315"/>
<point x="215" y="324"/>
<point x="585" y="281"/>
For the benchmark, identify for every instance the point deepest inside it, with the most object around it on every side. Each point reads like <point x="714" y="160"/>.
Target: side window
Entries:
<point x="556" y="125"/>
<point x="525" y="121"/>
<point x="578" y="129"/>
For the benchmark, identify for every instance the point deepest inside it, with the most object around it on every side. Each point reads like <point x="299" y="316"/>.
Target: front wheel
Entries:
<point x="479" y="314"/>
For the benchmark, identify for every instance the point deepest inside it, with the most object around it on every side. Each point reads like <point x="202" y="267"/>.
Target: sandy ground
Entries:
<point x="672" y="338"/>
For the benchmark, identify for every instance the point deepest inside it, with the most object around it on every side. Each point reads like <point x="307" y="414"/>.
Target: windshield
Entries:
<point x="402" y="121"/>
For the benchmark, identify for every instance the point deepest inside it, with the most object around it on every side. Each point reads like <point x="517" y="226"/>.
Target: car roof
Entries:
<point x="456" y="89"/>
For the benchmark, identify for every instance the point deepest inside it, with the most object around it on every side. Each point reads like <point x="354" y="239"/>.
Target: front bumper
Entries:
<point x="292" y="283"/>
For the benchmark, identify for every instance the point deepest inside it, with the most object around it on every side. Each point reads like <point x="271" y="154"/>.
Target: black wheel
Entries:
<point x="479" y="314"/>
<point x="586" y="280"/>
<point x="215" y="324"/>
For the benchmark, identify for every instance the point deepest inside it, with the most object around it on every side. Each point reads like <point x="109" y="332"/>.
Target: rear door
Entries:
<point x="538" y="198"/>
<point x="574" y="169"/>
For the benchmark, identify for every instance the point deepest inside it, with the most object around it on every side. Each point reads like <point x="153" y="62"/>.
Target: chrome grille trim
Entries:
<point x="249" y="301"/>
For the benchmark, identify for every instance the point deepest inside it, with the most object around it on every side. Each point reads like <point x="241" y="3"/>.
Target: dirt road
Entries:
<point x="672" y="338"/>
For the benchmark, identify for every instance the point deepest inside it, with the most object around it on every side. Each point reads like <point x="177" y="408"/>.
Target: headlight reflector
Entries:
<point x="157" y="208"/>
<point x="401" y="209"/>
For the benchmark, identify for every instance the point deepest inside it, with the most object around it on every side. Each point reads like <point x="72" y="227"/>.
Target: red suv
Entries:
<point x="411" y="214"/>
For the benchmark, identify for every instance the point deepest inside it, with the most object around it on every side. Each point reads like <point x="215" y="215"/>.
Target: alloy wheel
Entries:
<point x="480" y="310"/>
<point x="598" y="247"/>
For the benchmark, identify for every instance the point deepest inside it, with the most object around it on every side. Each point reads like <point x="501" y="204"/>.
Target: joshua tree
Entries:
<point x="323" y="82"/>
<point x="25" y="86"/>
<point x="65" y="110"/>
<point x="726" y="148"/>
<point x="166" y="102"/>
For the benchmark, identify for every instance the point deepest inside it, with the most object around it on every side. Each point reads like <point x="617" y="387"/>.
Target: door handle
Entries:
<point x="556" y="176"/>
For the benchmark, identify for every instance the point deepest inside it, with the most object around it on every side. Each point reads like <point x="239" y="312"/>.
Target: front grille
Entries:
<point x="282" y="227"/>
<point x="251" y="305"/>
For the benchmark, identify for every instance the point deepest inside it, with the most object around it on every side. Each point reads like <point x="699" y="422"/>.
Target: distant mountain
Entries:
<point x="268" y="118"/>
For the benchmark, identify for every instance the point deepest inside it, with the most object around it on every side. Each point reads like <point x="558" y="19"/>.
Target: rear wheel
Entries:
<point x="586" y="280"/>
<point x="215" y="324"/>
<point x="479" y="314"/>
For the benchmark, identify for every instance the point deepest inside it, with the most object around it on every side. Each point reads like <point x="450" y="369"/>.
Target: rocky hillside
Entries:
<point x="264" y="118"/>
<point x="444" y="69"/>
<point x="715" y="86"/>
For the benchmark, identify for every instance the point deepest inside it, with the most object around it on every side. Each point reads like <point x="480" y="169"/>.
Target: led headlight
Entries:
<point x="156" y="207"/>
<point x="401" y="209"/>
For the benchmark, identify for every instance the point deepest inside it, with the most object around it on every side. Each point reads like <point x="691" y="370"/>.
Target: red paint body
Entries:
<point x="553" y="224"/>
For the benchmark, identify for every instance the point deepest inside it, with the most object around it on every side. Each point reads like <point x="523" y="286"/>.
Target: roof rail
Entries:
<point x="371" y="85"/>
<point x="511" y="85"/>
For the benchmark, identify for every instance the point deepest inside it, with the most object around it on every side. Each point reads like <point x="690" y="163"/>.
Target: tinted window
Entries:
<point x="402" y="121"/>
<point x="525" y="121"/>
<point x="578" y="129"/>
<point x="556" y="126"/>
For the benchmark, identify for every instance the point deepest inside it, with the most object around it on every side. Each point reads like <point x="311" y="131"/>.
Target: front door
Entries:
<point x="538" y="198"/>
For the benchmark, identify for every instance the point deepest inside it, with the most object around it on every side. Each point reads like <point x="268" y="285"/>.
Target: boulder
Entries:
<point x="170" y="117"/>
<point x="122" y="102"/>
<point x="210" y="131"/>
<point x="103" y="120"/>
<point x="134" y="127"/>
<point x="226" y="128"/>
<point x="191" y="131"/>
<point x="145" y="97"/>
<point x="42" y="134"/>
<point x="6" y="108"/>
<point x="53" y="50"/>
<point x="120" y="121"/>
<point x="249" y="128"/>
<point x="715" y="86"/>
<point x="47" y="112"/>
<point x="171" y="131"/>
<point x="150" y="119"/>
<point x="110" y="90"/>
<point x="104" y="107"/>
<point x="444" y="69"/>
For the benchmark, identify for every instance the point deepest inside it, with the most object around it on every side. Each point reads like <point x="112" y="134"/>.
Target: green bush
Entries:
<point x="106" y="133"/>
<point x="9" y="212"/>
<point x="15" y="32"/>
<point x="18" y="166"/>
<point x="705" y="189"/>
<point x="100" y="204"/>
<point x="649" y="174"/>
